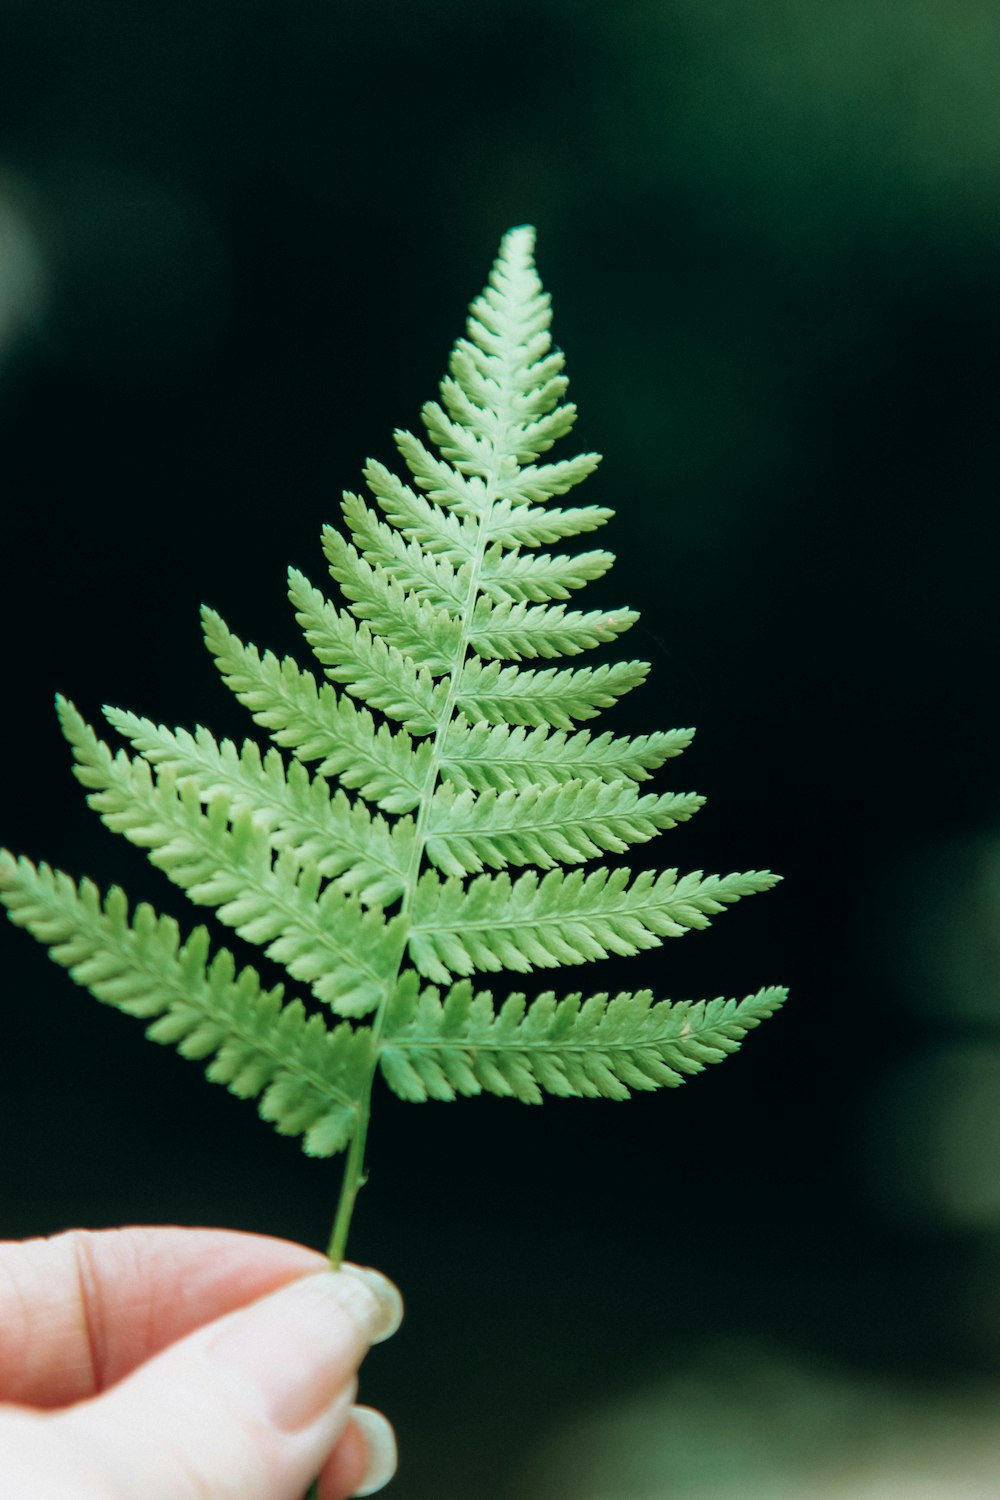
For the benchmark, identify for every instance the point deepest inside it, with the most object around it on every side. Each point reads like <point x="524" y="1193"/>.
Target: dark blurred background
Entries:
<point x="236" y="244"/>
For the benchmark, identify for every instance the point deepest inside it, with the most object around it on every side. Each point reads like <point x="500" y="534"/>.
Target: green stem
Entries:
<point x="353" y="1180"/>
<point x="352" y="1183"/>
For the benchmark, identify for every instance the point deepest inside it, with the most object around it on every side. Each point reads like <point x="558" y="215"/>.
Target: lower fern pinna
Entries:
<point x="476" y="799"/>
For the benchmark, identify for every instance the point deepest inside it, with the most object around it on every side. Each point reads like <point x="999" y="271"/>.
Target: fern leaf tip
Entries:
<point x="526" y="233"/>
<point x="71" y="720"/>
<point x="211" y="620"/>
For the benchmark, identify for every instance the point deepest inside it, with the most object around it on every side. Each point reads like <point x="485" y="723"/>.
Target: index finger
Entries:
<point x="81" y="1310"/>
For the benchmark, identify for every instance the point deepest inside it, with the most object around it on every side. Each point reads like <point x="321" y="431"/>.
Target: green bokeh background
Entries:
<point x="236" y="244"/>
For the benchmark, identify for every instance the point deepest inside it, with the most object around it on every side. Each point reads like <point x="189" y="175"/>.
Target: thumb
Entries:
<point x="247" y="1408"/>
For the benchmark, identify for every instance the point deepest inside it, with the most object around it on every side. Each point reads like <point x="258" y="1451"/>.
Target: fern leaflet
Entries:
<point x="434" y="1049"/>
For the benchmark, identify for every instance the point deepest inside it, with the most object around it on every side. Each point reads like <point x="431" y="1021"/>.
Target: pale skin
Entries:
<point x="186" y="1364"/>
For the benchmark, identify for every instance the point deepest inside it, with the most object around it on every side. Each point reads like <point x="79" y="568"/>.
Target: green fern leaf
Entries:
<point x="496" y="923"/>
<point x="516" y="630"/>
<point x="513" y="526"/>
<point x="432" y="580"/>
<point x="467" y="495"/>
<point x="313" y="721"/>
<point x="367" y="666"/>
<point x="537" y="483"/>
<point x="535" y="578"/>
<point x="511" y="695"/>
<point x="362" y="897"/>
<point x="308" y="1079"/>
<point x="367" y="856"/>
<point x="561" y="823"/>
<point x="434" y="1049"/>
<point x="224" y="859"/>
<point x="417" y="520"/>
<point x="484" y="756"/>
<point x="411" y="625"/>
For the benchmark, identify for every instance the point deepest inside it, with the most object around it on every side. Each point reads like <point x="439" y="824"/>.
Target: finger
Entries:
<point x="82" y="1310"/>
<point x="387" y="1294"/>
<point x="248" y="1408"/>
<point x="364" y="1459"/>
<point x="344" y="1471"/>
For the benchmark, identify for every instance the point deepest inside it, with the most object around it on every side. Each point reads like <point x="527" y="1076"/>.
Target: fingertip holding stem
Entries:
<point x="300" y="1348"/>
<point x="386" y="1293"/>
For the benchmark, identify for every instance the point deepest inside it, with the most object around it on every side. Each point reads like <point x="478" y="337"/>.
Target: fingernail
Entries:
<point x="389" y="1298"/>
<point x="380" y="1440"/>
<point x="300" y="1347"/>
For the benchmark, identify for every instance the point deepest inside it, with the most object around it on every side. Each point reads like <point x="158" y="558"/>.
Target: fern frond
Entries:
<point x="481" y="387"/>
<point x="317" y="723"/>
<point x="479" y="757"/>
<point x="511" y="695"/>
<point x="467" y="495"/>
<point x="442" y="534"/>
<point x="443" y="590"/>
<point x="537" y="483"/>
<point x="546" y="825"/>
<point x="531" y="526"/>
<point x="504" y="364"/>
<point x="496" y="923"/>
<point x="368" y="856"/>
<point x="434" y="1048"/>
<point x="366" y="665"/>
<point x="414" y="627"/>
<point x="508" y="352"/>
<point x="514" y="630"/>
<point x="308" y="1079"/>
<point x="468" y="444"/>
<point x="432" y="579"/>
<point x="537" y="577"/>
<point x="223" y="859"/>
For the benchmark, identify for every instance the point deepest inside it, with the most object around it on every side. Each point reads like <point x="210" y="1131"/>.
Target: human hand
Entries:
<point x="182" y="1364"/>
